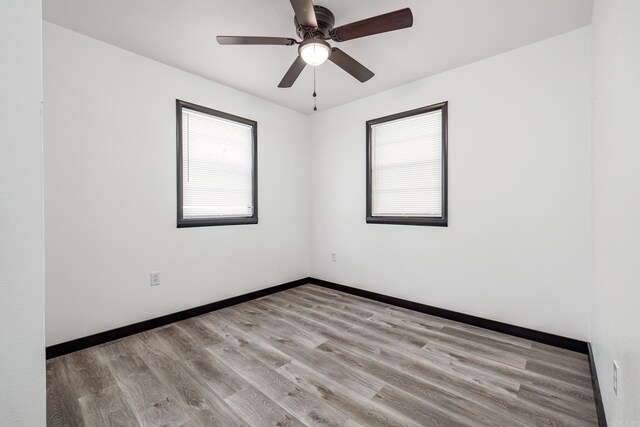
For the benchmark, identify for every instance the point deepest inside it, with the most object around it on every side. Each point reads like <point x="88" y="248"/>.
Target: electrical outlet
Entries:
<point x="333" y="257"/>
<point x="155" y="278"/>
<point x="616" y="378"/>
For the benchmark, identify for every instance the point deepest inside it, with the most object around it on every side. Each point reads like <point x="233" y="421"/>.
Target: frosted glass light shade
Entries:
<point x="315" y="52"/>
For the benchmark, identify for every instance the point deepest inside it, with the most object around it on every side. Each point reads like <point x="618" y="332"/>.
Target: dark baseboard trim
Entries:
<point x="597" y="396"/>
<point x="124" y="331"/>
<point x="518" y="331"/>
<point x="505" y="328"/>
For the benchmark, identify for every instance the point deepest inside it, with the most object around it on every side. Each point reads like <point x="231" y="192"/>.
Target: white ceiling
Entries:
<point x="446" y="34"/>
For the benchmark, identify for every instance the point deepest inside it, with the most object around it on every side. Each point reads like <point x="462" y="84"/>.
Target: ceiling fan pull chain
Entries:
<point x="315" y="97"/>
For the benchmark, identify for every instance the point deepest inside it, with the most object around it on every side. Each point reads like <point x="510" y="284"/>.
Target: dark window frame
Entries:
<point x="405" y="220"/>
<point x="206" y="222"/>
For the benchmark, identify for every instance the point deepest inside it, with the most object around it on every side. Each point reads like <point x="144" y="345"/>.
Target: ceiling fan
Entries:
<point x="314" y="25"/>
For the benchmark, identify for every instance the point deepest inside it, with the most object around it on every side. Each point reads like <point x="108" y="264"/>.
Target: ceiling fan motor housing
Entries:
<point x="326" y="21"/>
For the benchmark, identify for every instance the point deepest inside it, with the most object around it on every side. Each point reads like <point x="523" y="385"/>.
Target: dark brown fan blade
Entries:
<point x="305" y="14"/>
<point x="350" y="65"/>
<point x="292" y="74"/>
<point x="391" y="21"/>
<point x="248" y="40"/>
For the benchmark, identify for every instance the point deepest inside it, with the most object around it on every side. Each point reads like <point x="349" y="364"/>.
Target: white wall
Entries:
<point x="615" y="323"/>
<point x="517" y="248"/>
<point x="22" y="373"/>
<point x="110" y="192"/>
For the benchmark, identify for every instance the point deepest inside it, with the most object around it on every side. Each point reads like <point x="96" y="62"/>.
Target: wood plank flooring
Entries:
<point x="314" y="356"/>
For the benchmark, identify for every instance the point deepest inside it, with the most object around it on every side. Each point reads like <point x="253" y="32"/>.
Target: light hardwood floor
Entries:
<point x="314" y="356"/>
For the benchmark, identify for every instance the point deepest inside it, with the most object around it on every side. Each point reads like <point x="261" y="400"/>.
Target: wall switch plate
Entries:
<point x="616" y="378"/>
<point x="155" y="278"/>
<point x="333" y="257"/>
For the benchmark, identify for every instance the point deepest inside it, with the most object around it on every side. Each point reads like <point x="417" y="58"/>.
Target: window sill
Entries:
<point x="208" y="222"/>
<point x="434" y="222"/>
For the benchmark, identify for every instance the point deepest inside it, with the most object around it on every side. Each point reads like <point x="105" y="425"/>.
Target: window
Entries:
<point x="217" y="167"/>
<point x="407" y="167"/>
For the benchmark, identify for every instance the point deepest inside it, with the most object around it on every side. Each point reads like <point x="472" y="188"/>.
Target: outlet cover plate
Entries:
<point x="155" y="278"/>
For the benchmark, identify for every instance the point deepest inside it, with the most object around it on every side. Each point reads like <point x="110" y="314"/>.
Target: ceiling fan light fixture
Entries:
<point x="314" y="25"/>
<point x="314" y="51"/>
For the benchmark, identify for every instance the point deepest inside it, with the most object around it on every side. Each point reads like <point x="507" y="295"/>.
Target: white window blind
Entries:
<point x="406" y="167"/>
<point x="217" y="167"/>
